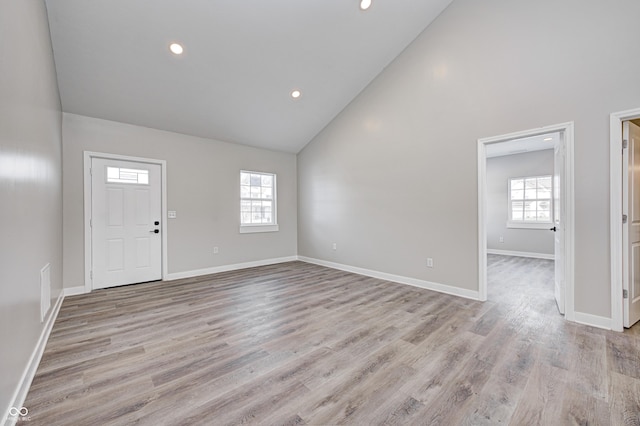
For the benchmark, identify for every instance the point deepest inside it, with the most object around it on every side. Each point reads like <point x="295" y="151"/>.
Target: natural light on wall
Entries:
<point x="19" y="167"/>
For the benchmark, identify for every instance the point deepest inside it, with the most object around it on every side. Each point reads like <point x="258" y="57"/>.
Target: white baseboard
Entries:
<point x="593" y="320"/>
<point x="29" y="372"/>
<point x="225" y="268"/>
<point x="74" y="291"/>
<point x="522" y="254"/>
<point x="428" y="285"/>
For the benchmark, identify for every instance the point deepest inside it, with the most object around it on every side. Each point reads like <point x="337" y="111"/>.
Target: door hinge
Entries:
<point x="625" y="294"/>
<point x="91" y="275"/>
<point x="624" y="218"/>
<point x="625" y="143"/>
<point x="90" y="171"/>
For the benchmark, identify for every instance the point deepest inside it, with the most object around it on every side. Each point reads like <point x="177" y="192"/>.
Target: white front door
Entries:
<point x="631" y="227"/>
<point x="126" y="207"/>
<point x="558" y="222"/>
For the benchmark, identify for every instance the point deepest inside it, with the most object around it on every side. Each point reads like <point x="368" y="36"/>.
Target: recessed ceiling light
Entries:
<point x="547" y="139"/>
<point x="365" y="4"/>
<point x="296" y="94"/>
<point x="176" y="48"/>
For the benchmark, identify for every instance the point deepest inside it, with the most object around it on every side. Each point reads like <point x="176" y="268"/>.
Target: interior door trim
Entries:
<point x="88" y="156"/>
<point x="568" y="130"/>
<point x="615" y="212"/>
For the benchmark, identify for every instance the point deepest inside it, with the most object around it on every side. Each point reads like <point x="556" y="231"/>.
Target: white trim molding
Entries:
<point x="427" y="285"/>
<point x="521" y="254"/>
<point x="88" y="156"/>
<point x="593" y="320"/>
<point x="615" y="212"/>
<point x="20" y="394"/>
<point x="569" y="202"/>
<point x="74" y="291"/>
<point x="226" y="268"/>
<point x="252" y="229"/>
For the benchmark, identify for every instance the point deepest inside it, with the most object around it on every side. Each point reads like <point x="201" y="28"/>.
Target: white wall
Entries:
<point x="499" y="171"/>
<point x="203" y="178"/>
<point x="30" y="184"/>
<point x="393" y="179"/>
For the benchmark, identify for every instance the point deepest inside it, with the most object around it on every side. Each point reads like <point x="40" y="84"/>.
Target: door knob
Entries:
<point x="552" y="229"/>
<point x="155" y="231"/>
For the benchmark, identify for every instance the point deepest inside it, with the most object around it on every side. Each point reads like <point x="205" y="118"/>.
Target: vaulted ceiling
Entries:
<point x="241" y="61"/>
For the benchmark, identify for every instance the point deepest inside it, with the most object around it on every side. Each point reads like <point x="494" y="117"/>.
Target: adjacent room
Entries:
<point x="331" y="212"/>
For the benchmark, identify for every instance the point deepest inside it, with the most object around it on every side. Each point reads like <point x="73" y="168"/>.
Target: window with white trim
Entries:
<point x="257" y="202"/>
<point x="530" y="202"/>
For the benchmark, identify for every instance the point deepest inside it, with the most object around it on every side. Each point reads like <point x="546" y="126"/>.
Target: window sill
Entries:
<point x="530" y="225"/>
<point x="251" y="229"/>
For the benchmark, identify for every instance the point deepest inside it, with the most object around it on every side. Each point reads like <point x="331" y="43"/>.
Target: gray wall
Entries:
<point x="203" y="178"/>
<point x="393" y="179"/>
<point x="499" y="170"/>
<point x="30" y="184"/>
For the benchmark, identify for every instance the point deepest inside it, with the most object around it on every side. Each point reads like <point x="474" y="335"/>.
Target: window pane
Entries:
<point x="543" y="216"/>
<point x="255" y="180"/>
<point x="122" y="175"/>
<point x="530" y="186"/>
<point x="545" y="183"/>
<point x="127" y="174"/>
<point x="544" y="194"/>
<point x="257" y="193"/>
<point x="113" y="173"/>
<point x="517" y="184"/>
<point x="516" y="210"/>
<point x="530" y="215"/>
<point x="517" y="194"/>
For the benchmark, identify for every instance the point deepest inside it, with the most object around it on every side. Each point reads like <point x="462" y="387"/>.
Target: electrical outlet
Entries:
<point x="501" y="239"/>
<point x="172" y="214"/>
<point x="215" y="250"/>
<point x="429" y="262"/>
<point x="334" y="246"/>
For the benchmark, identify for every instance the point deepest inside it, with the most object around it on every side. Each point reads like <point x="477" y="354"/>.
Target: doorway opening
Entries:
<point x="625" y="218"/>
<point x="525" y="208"/>
<point x="124" y="203"/>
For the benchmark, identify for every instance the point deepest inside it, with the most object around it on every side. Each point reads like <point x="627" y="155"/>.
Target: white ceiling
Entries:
<point x="241" y="61"/>
<point x="520" y="146"/>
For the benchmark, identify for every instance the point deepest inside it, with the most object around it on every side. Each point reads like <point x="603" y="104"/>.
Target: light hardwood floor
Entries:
<point x="301" y="344"/>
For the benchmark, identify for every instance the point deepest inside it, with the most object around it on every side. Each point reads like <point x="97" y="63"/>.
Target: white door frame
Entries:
<point x="615" y="191"/>
<point x="88" y="156"/>
<point x="568" y="191"/>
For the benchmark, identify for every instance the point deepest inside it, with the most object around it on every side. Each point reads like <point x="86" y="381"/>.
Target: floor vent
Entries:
<point x="45" y="291"/>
